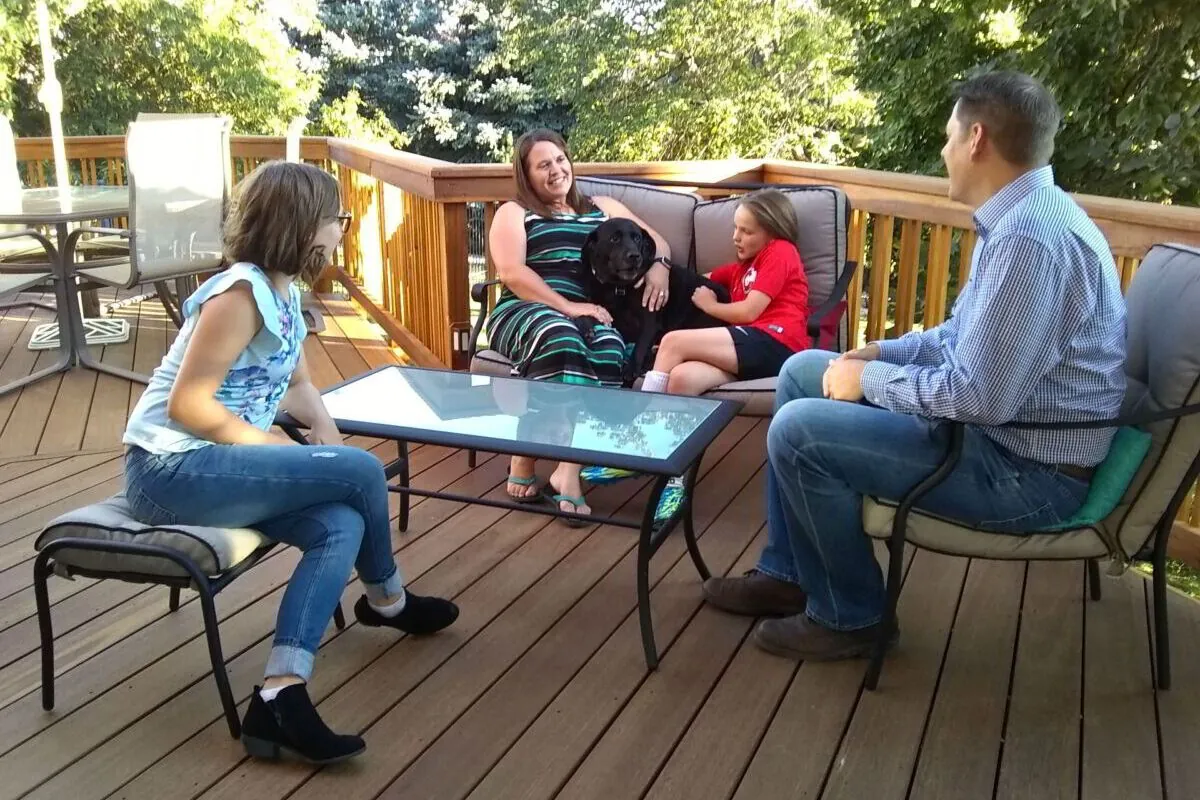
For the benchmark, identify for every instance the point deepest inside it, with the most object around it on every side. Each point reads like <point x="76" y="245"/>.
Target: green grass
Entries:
<point x="1179" y="575"/>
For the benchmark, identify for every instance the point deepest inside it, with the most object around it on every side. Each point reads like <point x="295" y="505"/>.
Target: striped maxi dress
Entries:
<point x="542" y="343"/>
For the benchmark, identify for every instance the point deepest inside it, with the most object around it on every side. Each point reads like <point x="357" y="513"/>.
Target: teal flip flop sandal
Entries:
<point x="576" y="502"/>
<point x="536" y="497"/>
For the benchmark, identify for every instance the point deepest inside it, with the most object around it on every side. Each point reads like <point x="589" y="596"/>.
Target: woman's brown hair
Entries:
<point x="526" y="196"/>
<point x="772" y="210"/>
<point x="276" y="213"/>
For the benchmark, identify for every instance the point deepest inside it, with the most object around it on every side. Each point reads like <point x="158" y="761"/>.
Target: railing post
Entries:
<point x="881" y="267"/>
<point x="455" y="294"/>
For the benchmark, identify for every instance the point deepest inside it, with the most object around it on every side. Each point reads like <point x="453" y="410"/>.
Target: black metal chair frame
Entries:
<point x="1157" y="543"/>
<point x="207" y="587"/>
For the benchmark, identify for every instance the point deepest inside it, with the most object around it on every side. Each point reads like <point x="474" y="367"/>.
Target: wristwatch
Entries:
<point x="662" y="260"/>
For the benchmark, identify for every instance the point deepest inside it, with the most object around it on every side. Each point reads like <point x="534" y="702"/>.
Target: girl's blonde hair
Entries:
<point x="276" y="213"/>
<point x="774" y="213"/>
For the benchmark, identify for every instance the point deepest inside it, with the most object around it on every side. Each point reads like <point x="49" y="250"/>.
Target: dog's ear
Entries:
<point x="587" y="252"/>
<point x="648" y="247"/>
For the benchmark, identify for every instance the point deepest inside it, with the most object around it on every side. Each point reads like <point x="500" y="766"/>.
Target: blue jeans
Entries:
<point x="826" y="455"/>
<point x="331" y="502"/>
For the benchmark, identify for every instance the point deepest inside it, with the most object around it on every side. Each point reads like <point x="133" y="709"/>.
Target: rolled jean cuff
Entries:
<point x="392" y="586"/>
<point x="288" y="659"/>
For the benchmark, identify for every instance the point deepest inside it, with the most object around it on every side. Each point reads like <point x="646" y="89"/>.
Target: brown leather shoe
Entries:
<point x="755" y="595"/>
<point x="800" y="637"/>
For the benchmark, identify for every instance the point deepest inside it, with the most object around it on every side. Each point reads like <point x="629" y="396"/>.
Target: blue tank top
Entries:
<point x="256" y="381"/>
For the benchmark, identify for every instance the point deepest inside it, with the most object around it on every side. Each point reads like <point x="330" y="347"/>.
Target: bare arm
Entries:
<point x="743" y="312"/>
<point x="303" y="401"/>
<point x="225" y="327"/>
<point x="507" y="245"/>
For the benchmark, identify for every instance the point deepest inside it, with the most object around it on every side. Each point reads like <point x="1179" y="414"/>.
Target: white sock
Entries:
<point x="392" y="609"/>
<point x="270" y="694"/>
<point x="655" y="381"/>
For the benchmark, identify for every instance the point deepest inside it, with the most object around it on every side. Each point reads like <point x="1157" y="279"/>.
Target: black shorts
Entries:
<point x="759" y="354"/>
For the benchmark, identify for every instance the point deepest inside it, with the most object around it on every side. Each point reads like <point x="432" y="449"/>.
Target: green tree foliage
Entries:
<point x="1126" y="73"/>
<point x="680" y="79"/>
<point x="119" y="57"/>
<point x="426" y="75"/>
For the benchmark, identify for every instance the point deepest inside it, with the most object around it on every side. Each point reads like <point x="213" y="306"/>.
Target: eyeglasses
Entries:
<point x="344" y="218"/>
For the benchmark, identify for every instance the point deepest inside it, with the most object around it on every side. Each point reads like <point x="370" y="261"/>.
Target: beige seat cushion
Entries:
<point x="489" y="362"/>
<point x="757" y="396"/>
<point x="214" y="550"/>
<point x="944" y="536"/>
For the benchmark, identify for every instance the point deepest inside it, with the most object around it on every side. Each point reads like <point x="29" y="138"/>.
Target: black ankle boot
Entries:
<point x="421" y="615"/>
<point x="289" y="723"/>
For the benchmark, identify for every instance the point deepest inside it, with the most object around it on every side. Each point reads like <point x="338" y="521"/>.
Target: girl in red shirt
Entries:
<point x="767" y="319"/>
<point x="767" y="314"/>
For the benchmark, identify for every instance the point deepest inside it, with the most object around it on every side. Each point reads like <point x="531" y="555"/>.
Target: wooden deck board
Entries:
<point x="1120" y="747"/>
<point x="1006" y="676"/>
<point x="958" y="755"/>
<point x="1041" y="739"/>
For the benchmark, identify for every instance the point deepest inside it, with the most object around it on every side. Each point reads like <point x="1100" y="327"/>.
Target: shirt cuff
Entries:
<point x="897" y="351"/>
<point x="874" y="380"/>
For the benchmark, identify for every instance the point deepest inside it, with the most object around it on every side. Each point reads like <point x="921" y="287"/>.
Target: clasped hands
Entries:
<point x="843" y="377"/>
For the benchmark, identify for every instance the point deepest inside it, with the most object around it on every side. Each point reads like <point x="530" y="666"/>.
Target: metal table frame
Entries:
<point x="73" y="346"/>
<point x="650" y="536"/>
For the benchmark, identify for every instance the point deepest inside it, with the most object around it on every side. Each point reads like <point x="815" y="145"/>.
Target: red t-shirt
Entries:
<point x="778" y="273"/>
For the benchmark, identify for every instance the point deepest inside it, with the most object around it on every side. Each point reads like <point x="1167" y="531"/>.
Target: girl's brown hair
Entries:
<point x="276" y="213"/>
<point x="772" y="210"/>
<point x="526" y="196"/>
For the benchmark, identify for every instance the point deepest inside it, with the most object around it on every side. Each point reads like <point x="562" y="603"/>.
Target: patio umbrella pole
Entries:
<point x="50" y="95"/>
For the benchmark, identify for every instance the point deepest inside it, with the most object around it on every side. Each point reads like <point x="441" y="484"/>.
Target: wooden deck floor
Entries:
<point x="1006" y="682"/>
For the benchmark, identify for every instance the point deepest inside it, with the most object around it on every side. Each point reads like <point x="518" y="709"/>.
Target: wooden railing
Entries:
<point x="405" y="257"/>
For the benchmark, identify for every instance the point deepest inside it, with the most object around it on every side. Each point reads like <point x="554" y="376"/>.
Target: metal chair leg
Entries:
<point x="170" y="303"/>
<point x="218" y="661"/>
<point x="1162" y="641"/>
<point x="1093" y="571"/>
<point x="339" y="618"/>
<point x="174" y="601"/>
<point x="471" y="460"/>
<point x="895" y="570"/>
<point x="41" y="571"/>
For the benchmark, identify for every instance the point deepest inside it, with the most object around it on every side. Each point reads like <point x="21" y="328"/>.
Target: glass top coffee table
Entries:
<point x="655" y="434"/>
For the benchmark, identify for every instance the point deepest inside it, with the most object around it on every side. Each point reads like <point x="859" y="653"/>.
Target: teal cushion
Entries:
<point x="1113" y="475"/>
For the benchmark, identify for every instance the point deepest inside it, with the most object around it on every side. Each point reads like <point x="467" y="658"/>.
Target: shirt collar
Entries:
<point x="999" y="204"/>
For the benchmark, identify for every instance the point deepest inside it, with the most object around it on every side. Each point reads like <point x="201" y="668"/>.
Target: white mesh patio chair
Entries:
<point x="179" y="175"/>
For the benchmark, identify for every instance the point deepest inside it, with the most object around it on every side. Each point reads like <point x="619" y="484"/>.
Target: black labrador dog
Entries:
<point x="618" y="254"/>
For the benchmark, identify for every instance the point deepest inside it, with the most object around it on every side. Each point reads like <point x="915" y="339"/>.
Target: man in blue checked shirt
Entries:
<point x="1036" y="335"/>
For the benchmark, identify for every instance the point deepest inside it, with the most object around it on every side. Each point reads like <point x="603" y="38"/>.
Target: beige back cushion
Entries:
<point x="668" y="213"/>
<point x="1163" y="371"/>
<point x="823" y="213"/>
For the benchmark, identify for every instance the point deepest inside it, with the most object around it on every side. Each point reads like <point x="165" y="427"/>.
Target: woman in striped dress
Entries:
<point x="535" y="243"/>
